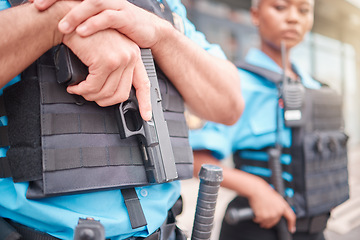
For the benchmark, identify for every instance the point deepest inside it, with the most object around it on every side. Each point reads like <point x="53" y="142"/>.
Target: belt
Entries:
<point x="24" y="232"/>
<point x="314" y="224"/>
<point x="17" y="231"/>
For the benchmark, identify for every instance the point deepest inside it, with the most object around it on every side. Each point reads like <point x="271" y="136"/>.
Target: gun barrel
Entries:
<point x="165" y="168"/>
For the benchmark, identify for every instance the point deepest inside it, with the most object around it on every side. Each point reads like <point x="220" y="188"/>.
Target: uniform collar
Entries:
<point x="259" y="58"/>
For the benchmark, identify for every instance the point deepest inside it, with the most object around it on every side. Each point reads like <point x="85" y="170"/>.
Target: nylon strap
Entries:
<point x="133" y="206"/>
<point x="5" y="171"/>
<point x="58" y="159"/>
<point x="7" y="231"/>
<point x="269" y="75"/>
<point x="55" y="124"/>
<point x="2" y="106"/>
<point x="23" y="232"/>
<point x="51" y="93"/>
<point x="4" y="136"/>
<point x="262" y="164"/>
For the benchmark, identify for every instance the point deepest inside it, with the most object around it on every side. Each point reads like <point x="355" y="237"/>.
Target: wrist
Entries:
<point x="166" y="33"/>
<point x="259" y="189"/>
<point x="56" y="12"/>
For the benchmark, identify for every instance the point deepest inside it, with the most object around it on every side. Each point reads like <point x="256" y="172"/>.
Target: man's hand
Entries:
<point x="92" y="16"/>
<point x="170" y="49"/>
<point x="115" y="65"/>
<point x="269" y="207"/>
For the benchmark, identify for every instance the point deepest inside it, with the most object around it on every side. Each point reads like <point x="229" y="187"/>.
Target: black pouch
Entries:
<point x="324" y="174"/>
<point x="325" y="170"/>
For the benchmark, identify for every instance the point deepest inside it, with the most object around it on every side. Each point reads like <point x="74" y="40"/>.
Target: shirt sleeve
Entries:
<point x="4" y="4"/>
<point x="190" y="31"/>
<point x="215" y="137"/>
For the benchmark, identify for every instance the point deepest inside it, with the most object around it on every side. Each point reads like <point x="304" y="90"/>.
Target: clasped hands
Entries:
<point x="107" y="36"/>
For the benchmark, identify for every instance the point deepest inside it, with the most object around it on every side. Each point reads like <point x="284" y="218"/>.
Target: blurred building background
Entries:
<point x="331" y="53"/>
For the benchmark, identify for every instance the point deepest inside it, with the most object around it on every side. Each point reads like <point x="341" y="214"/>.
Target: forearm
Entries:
<point x="26" y="34"/>
<point x="267" y="204"/>
<point x="210" y="86"/>
<point x="244" y="184"/>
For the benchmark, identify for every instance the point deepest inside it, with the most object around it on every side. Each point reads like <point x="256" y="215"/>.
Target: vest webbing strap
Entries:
<point x="5" y="171"/>
<point x="263" y="164"/>
<point x="177" y="128"/>
<point x="58" y="159"/>
<point x="51" y="93"/>
<point x="136" y="215"/>
<point x="2" y="106"/>
<point x="4" y="137"/>
<point x="241" y="162"/>
<point x="7" y="231"/>
<point x="17" y="231"/>
<point x="56" y="124"/>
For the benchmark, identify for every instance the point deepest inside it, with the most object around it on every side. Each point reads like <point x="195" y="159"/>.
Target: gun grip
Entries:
<point x="69" y="68"/>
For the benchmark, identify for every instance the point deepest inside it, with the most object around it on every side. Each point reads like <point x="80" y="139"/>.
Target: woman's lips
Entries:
<point x="292" y="34"/>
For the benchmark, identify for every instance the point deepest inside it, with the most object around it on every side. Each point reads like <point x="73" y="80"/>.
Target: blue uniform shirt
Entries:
<point x="58" y="216"/>
<point x="256" y="128"/>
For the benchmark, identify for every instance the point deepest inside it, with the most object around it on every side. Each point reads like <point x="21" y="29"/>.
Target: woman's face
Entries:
<point x="283" y="20"/>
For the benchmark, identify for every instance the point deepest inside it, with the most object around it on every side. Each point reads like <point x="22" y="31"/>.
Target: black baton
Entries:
<point x="210" y="178"/>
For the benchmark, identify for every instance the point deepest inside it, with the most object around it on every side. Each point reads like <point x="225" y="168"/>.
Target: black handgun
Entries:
<point x="153" y="135"/>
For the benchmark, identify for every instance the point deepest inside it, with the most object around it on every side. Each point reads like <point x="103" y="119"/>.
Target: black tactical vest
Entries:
<point x="63" y="144"/>
<point x="318" y="150"/>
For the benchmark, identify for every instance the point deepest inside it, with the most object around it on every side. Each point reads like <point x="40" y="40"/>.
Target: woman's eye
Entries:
<point x="304" y="10"/>
<point x="280" y="7"/>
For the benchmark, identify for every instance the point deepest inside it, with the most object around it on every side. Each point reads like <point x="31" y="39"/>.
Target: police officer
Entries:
<point x="112" y="55"/>
<point x="277" y="21"/>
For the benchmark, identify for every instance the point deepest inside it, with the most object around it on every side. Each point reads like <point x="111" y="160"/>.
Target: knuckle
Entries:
<point x="97" y="3"/>
<point x="109" y="93"/>
<point x="110" y="15"/>
<point x="88" y="98"/>
<point x="112" y="62"/>
<point x="136" y="53"/>
<point x="91" y="89"/>
<point x="133" y="54"/>
<point x="91" y="23"/>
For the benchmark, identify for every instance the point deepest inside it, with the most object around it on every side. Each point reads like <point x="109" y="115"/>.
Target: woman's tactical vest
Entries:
<point x="316" y="177"/>
<point x="63" y="144"/>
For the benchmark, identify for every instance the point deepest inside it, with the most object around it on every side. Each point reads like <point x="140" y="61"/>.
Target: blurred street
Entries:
<point x="344" y="223"/>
